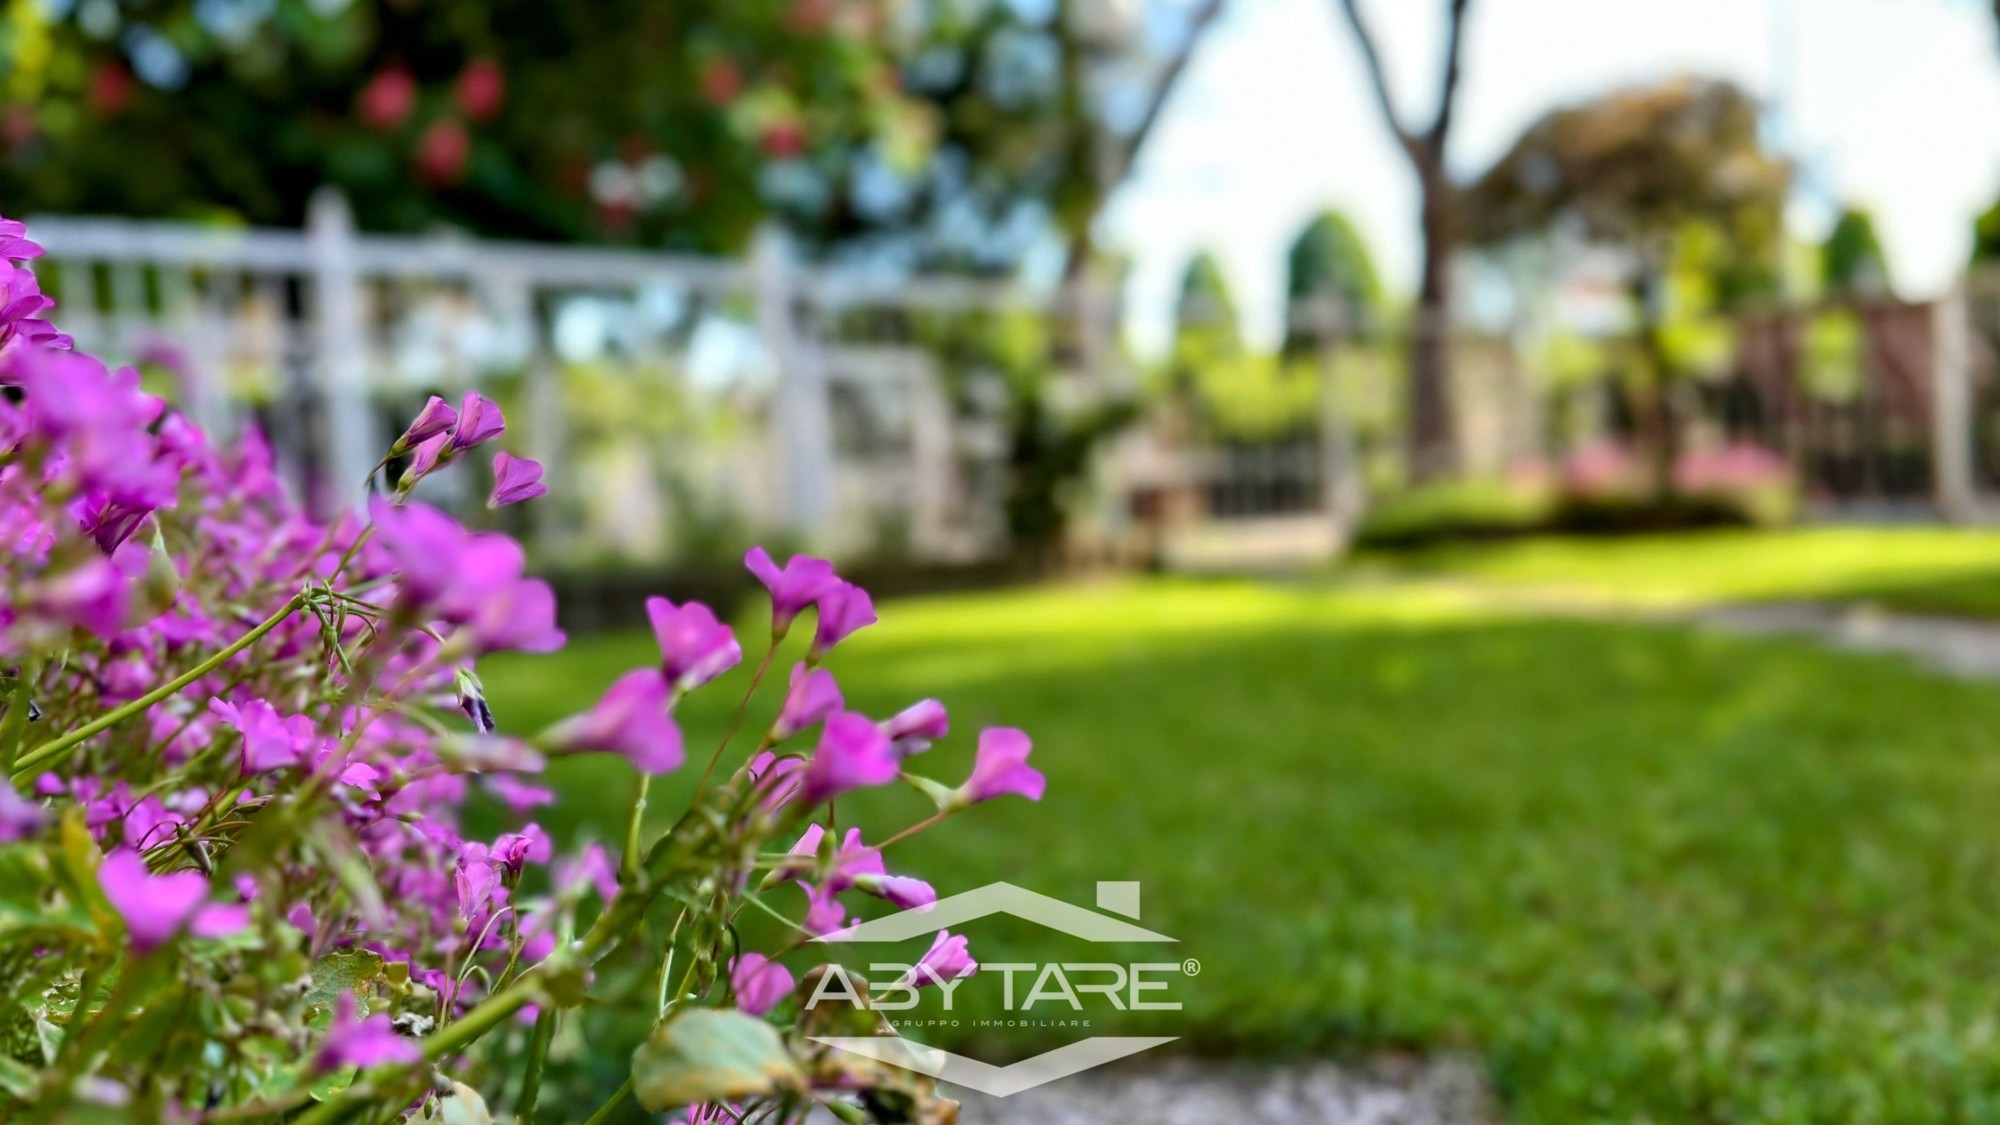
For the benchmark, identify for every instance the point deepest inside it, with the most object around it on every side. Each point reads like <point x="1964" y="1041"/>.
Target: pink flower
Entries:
<point x="1001" y="767"/>
<point x="906" y="892"/>
<point x="515" y="479"/>
<point x="388" y="98"/>
<point x="518" y="616"/>
<point x="852" y="753"/>
<point x="630" y="721"/>
<point x="269" y="742"/>
<point x="479" y="420"/>
<point x="475" y="580"/>
<point x="14" y="242"/>
<point x="591" y="867"/>
<point x="480" y="88"/>
<point x="800" y="584"/>
<point x="758" y="983"/>
<point x="947" y="960"/>
<point x="777" y="779"/>
<point x="92" y="595"/>
<point x="19" y="817"/>
<point x="430" y="454"/>
<point x="813" y="696"/>
<point x="362" y="1043"/>
<point x="824" y="914"/>
<point x="694" y="647"/>
<point x="435" y="418"/>
<point x="843" y="611"/>
<point x="156" y="907"/>
<point x="516" y="850"/>
<point x="914" y="728"/>
<point x="852" y="861"/>
<point x="518" y="795"/>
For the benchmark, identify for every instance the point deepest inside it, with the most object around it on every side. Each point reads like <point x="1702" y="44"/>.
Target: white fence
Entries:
<point x="725" y="390"/>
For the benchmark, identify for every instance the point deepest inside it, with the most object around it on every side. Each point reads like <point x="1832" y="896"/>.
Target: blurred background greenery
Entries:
<point x="1383" y="613"/>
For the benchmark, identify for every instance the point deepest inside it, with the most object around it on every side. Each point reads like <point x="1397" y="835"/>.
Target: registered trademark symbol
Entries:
<point x="1191" y="967"/>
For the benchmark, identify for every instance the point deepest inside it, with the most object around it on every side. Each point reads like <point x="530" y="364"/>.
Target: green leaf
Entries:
<point x="706" y="1054"/>
<point x="15" y="1077"/>
<point x="345" y="970"/>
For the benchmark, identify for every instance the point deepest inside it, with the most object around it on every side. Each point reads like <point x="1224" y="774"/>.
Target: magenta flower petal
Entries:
<point x="435" y="418"/>
<point x="906" y="892"/>
<point x="479" y="420"/>
<point x="798" y="585"/>
<point x="694" y="647"/>
<point x="777" y="778"/>
<point x="759" y="983"/>
<point x="156" y="907"/>
<point x="363" y="1043"/>
<point x="844" y="610"/>
<point x="852" y="753"/>
<point x="947" y="960"/>
<point x="1001" y="767"/>
<point x="915" y="727"/>
<point x="813" y="696"/>
<point x="515" y="479"/>
<point x="19" y="817"/>
<point x="630" y="721"/>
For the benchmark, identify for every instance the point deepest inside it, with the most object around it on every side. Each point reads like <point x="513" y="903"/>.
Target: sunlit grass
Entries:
<point x="1922" y="569"/>
<point x="1647" y="873"/>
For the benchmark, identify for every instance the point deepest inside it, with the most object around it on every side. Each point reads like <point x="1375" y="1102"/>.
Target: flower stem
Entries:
<point x="736" y="721"/>
<point x="538" y="1050"/>
<point x="610" y="1107"/>
<point x="629" y="865"/>
<point x="26" y="765"/>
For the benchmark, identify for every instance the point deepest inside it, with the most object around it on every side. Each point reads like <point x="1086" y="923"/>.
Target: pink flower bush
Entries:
<point x="243" y="737"/>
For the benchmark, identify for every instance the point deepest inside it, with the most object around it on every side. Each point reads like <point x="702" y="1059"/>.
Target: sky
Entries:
<point x="1892" y="104"/>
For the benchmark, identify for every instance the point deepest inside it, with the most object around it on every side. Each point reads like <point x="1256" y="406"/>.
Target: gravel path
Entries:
<point x="1963" y="648"/>
<point x="1398" y="1091"/>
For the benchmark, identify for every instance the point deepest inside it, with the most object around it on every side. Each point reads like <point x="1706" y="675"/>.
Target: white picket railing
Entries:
<point x="334" y="332"/>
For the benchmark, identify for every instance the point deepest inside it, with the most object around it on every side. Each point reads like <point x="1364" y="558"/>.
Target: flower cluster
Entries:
<point x="236" y="876"/>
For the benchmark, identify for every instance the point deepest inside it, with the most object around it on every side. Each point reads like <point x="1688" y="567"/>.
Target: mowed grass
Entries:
<point x="1645" y="873"/>
<point x="1915" y="569"/>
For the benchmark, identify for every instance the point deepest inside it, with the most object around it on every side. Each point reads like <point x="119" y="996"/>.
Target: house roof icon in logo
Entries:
<point x="1006" y="898"/>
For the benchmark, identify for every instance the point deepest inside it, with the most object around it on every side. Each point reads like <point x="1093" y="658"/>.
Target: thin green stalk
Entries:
<point x="610" y="1107"/>
<point x="14" y="727"/>
<point x="736" y="721"/>
<point x="629" y="863"/>
<point x="538" y="1050"/>
<point x="29" y="763"/>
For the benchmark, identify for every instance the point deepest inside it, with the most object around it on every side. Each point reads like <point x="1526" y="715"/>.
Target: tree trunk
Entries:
<point x="1432" y="448"/>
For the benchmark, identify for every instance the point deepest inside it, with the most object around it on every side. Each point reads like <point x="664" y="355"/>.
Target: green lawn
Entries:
<point x="1648" y="874"/>
<point x="1918" y="569"/>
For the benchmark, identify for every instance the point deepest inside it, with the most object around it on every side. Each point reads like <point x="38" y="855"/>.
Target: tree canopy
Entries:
<point x="1634" y="167"/>
<point x="1852" y="263"/>
<point x="954" y="130"/>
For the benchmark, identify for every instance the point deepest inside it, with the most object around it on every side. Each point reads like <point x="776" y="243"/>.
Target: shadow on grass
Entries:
<point x="1644" y="872"/>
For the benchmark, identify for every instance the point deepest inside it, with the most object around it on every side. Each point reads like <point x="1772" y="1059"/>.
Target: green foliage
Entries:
<point x="1646" y="873"/>
<point x="709" y="1054"/>
<point x="1852" y="263"/>
<point x="1464" y="509"/>
<point x="660" y="121"/>
<point x="1330" y="256"/>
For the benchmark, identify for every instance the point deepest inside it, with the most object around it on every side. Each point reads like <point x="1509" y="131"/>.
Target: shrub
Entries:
<point x="233" y="880"/>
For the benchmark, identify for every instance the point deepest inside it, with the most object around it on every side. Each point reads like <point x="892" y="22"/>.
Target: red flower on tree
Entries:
<point x="388" y="98"/>
<point x="481" y="88"/>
